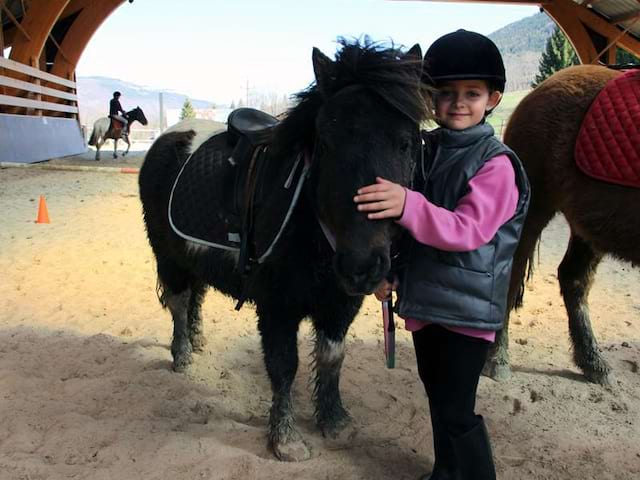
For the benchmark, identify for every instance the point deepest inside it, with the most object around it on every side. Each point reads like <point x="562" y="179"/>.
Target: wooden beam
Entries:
<point x="573" y="19"/>
<point x="94" y="13"/>
<point x="36" y="104"/>
<point x="625" y="17"/>
<point x="13" y="19"/>
<point x="564" y="15"/>
<point x="35" y="72"/>
<point x="604" y="28"/>
<point x="38" y="22"/>
<point x="31" y="87"/>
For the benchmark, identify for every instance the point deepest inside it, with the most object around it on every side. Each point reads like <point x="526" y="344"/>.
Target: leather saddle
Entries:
<point x="251" y="131"/>
<point x="117" y="127"/>
<point x="231" y="194"/>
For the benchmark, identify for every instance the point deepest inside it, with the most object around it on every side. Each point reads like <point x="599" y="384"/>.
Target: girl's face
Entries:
<point x="462" y="104"/>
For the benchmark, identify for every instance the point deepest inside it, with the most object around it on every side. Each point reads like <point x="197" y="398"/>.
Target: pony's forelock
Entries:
<point x="381" y="67"/>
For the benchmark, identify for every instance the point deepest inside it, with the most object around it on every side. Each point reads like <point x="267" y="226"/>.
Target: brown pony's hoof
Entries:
<point x="292" y="451"/>
<point x="496" y="371"/>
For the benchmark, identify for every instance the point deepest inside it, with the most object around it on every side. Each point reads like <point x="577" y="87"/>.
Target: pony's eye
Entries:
<point x="404" y="146"/>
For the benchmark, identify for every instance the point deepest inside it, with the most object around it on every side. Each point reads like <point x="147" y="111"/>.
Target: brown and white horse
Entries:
<point x="102" y="130"/>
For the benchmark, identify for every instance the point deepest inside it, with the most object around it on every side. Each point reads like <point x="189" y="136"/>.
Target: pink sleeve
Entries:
<point x="490" y="203"/>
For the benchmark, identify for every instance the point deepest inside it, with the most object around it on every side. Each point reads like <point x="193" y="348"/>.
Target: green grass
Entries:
<point x="508" y="104"/>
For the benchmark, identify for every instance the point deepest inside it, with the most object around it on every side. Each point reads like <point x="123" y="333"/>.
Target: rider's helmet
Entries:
<point x="116" y="94"/>
<point x="464" y="55"/>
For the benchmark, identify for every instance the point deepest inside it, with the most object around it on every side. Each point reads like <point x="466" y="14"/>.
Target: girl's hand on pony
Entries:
<point x="383" y="199"/>
<point x="383" y="292"/>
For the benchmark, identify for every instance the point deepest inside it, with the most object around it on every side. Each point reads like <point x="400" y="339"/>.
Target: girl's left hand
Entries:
<point x="383" y="199"/>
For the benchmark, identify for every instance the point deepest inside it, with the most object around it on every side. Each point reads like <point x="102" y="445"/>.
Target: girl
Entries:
<point x="464" y="220"/>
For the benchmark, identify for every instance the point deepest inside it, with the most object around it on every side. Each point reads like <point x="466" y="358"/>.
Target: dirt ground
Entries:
<point x="87" y="392"/>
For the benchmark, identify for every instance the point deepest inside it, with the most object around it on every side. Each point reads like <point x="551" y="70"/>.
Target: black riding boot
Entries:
<point x="445" y="464"/>
<point x="473" y="448"/>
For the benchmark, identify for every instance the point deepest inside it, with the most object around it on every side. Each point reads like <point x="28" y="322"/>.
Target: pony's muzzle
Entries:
<point x="360" y="274"/>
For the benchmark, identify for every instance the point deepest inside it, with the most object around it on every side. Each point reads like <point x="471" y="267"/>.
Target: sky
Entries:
<point x="214" y="49"/>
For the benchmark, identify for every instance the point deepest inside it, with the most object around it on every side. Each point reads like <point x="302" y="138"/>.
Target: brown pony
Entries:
<point x="602" y="216"/>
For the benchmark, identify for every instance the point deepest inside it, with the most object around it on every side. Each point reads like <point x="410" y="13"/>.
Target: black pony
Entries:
<point x="358" y="121"/>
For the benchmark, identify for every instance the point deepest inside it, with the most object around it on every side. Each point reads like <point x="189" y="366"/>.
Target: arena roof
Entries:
<point x="52" y="34"/>
<point x="592" y="26"/>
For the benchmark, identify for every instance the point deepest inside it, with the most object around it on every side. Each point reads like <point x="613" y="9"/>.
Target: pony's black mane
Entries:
<point x="383" y="70"/>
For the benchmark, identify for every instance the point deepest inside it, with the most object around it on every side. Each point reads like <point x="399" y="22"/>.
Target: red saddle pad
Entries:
<point x="608" y="145"/>
<point x="116" y="124"/>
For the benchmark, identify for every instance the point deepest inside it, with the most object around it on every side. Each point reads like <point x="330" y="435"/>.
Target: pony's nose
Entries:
<point x="361" y="274"/>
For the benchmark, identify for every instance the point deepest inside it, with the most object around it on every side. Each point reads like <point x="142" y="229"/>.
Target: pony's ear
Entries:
<point x="323" y="68"/>
<point x="414" y="55"/>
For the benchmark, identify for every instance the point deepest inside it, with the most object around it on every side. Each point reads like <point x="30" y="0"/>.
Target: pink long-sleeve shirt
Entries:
<point x="492" y="200"/>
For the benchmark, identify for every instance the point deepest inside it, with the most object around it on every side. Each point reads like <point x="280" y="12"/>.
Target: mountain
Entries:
<point x="521" y="44"/>
<point x="94" y="94"/>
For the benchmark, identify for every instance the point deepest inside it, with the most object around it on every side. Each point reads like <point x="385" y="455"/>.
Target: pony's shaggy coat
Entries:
<point x="603" y="217"/>
<point x="360" y="120"/>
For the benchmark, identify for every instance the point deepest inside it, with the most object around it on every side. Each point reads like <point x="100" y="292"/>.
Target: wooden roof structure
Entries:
<point x="52" y="34"/>
<point x="38" y="98"/>
<point x="594" y="27"/>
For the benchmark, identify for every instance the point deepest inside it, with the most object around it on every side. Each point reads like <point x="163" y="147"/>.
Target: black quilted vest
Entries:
<point x="462" y="289"/>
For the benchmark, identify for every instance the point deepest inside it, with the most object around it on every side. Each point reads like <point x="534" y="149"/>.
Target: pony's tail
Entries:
<point x="93" y="139"/>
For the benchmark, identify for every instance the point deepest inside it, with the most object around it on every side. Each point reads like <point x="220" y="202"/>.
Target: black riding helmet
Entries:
<point x="464" y="55"/>
<point x="116" y="94"/>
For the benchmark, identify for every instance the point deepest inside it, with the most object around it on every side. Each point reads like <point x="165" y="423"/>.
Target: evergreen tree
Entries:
<point x="187" y="110"/>
<point x="558" y="54"/>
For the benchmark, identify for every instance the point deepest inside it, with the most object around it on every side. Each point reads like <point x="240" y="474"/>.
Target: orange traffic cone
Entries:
<point x="43" y="213"/>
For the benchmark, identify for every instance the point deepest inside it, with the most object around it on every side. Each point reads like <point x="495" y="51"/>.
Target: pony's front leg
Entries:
<point x="126" y="139"/>
<point x="331" y="326"/>
<point x="279" y="344"/>
<point x="115" y="148"/>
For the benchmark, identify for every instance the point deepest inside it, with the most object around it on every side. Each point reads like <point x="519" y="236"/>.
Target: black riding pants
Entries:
<point x="449" y="365"/>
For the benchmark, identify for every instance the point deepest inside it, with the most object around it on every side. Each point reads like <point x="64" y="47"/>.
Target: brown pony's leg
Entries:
<point x="497" y="366"/>
<point x="576" y="273"/>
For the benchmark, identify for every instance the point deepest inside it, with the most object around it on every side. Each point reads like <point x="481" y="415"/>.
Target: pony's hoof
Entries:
<point x="181" y="362"/>
<point x="339" y="438"/>
<point x="601" y="376"/>
<point x="198" y="342"/>
<point x="496" y="371"/>
<point x="292" y="451"/>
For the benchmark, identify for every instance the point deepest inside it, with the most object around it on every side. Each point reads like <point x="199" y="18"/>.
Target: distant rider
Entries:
<point x="115" y="109"/>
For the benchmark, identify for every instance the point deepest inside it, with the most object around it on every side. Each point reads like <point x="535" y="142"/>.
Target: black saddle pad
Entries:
<point x="204" y="205"/>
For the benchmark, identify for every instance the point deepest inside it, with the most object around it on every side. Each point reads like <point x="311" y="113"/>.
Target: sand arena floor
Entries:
<point x="87" y="392"/>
